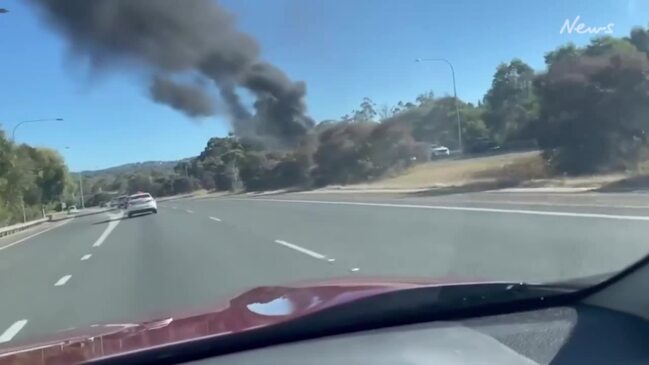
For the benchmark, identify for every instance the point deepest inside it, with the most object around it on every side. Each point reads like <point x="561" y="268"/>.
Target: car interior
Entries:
<point x="602" y="324"/>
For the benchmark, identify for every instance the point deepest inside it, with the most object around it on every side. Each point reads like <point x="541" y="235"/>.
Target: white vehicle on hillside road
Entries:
<point x="439" y="151"/>
<point x="140" y="203"/>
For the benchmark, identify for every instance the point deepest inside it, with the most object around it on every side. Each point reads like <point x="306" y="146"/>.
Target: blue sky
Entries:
<point x="343" y="50"/>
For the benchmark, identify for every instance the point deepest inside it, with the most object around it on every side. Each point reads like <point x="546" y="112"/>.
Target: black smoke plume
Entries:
<point x="190" y="99"/>
<point x="179" y="38"/>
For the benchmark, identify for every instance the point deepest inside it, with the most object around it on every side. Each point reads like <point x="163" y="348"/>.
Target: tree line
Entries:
<point x="32" y="181"/>
<point x="587" y="111"/>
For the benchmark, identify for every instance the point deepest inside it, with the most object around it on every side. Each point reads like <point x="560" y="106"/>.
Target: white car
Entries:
<point x="440" y="151"/>
<point x="140" y="203"/>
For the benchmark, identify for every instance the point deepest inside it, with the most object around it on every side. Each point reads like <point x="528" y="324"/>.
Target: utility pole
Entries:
<point x="22" y="205"/>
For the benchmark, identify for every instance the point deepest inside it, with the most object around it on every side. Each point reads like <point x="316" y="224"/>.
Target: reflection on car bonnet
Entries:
<point x="277" y="307"/>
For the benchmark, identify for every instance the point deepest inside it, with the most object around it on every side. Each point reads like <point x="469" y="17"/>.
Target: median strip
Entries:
<point x="63" y="280"/>
<point x="12" y="331"/>
<point x="303" y="250"/>
<point x="465" y="209"/>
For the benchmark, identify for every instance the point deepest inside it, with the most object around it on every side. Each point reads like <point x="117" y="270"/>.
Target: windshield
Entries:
<point x="311" y="141"/>
<point x="140" y="196"/>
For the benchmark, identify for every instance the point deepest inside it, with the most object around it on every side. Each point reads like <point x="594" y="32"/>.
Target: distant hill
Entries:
<point x="147" y="166"/>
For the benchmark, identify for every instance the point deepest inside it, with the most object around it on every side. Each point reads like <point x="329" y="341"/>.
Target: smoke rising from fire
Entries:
<point x="173" y="39"/>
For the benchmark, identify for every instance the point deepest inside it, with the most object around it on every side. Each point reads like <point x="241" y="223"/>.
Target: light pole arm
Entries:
<point x="13" y="132"/>
<point x="439" y="60"/>
<point x="457" y="108"/>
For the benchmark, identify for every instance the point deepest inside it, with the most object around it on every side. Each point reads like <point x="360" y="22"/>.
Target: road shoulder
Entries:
<point x="20" y="237"/>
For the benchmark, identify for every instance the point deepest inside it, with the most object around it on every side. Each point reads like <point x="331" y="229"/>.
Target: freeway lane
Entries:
<point x="195" y="251"/>
<point x="149" y="265"/>
<point x="403" y="240"/>
<point x="30" y="269"/>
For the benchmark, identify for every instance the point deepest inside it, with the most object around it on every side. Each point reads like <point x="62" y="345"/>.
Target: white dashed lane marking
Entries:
<point x="303" y="250"/>
<point x="215" y="219"/>
<point x="85" y="257"/>
<point x="63" y="280"/>
<point x="114" y="221"/>
<point x="189" y="211"/>
<point x="12" y="331"/>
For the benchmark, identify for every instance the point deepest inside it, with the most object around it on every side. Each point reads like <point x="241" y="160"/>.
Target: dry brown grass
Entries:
<point x="518" y="166"/>
<point x="521" y="169"/>
<point x="518" y="169"/>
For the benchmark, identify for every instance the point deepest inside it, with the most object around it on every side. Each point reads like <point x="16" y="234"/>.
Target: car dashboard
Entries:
<point x="582" y="334"/>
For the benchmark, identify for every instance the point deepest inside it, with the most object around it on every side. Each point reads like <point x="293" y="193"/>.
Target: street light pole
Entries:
<point x="13" y="139"/>
<point x="13" y="132"/>
<point x="83" y="205"/>
<point x="457" y="108"/>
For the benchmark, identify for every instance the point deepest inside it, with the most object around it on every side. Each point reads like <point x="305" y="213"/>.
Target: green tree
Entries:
<point x="366" y="111"/>
<point x="510" y="102"/>
<point x="567" y="51"/>
<point x="640" y="39"/>
<point x="425" y="98"/>
<point x="30" y="178"/>
<point x="594" y="108"/>
<point x="608" y="46"/>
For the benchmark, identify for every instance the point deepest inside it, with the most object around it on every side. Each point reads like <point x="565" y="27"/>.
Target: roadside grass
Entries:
<point x="518" y="169"/>
<point x="511" y="166"/>
<point x="200" y="192"/>
<point x="632" y="181"/>
<point x="472" y="174"/>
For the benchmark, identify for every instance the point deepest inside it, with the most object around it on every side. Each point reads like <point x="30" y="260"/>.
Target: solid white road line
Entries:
<point x="36" y="234"/>
<point x="557" y="204"/>
<point x="12" y="331"/>
<point x="189" y="211"/>
<point x="111" y="226"/>
<point x="215" y="219"/>
<point x="303" y="250"/>
<point x="465" y="209"/>
<point x="63" y="280"/>
<point x="85" y="257"/>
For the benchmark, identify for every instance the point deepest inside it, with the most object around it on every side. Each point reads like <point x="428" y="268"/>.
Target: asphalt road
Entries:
<point x="104" y="268"/>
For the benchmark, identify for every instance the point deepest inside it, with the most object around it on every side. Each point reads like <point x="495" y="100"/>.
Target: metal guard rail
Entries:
<point x="5" y="231"/>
